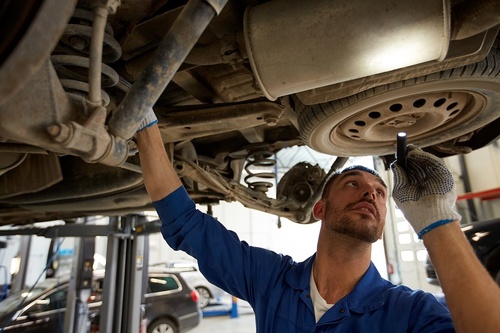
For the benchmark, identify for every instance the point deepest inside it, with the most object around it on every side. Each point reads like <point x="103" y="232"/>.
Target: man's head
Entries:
<point x="337" y="173"/>
<point x="353" y="203"/>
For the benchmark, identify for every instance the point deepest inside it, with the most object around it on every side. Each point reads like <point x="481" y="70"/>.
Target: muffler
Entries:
<point x="296" y="45"/>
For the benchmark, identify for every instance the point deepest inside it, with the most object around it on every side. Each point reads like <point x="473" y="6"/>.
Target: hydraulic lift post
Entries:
<point x="125" y="280"/>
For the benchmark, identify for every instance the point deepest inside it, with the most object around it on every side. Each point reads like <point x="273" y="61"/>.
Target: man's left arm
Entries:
<point x="424" y="191"/>
<point x="471" y="294"/>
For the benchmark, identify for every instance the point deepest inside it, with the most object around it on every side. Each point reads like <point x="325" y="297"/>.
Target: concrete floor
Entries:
<point x="243" y="322"/>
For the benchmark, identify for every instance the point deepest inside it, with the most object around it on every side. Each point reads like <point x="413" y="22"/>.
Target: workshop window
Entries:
<point x="421" y="255"/>
<point x="403" y="226"/>
<point x="407" y="256"/>
<point x="404" y="238"/>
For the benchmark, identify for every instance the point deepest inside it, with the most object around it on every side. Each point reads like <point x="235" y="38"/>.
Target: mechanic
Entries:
<point x="338" y="289"/>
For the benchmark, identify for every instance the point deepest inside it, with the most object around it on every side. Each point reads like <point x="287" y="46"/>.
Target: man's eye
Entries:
<point x="352" y="183"/>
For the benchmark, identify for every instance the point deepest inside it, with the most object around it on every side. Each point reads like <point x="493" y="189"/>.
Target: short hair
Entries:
<point x="329" y="180"/>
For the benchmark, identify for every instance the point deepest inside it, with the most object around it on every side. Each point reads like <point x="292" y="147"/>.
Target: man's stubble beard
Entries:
<point x="338" y="221"/>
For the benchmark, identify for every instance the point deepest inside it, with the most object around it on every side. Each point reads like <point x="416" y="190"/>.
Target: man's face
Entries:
<point x="355" y="206"/>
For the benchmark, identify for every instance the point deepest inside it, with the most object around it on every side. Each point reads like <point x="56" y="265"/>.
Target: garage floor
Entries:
<point x="243" y="323"/>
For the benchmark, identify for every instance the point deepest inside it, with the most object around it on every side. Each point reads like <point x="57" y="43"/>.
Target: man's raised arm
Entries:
<point x="159" y="175"/>
<point x="424" y="191"/>
<point x="471" y="294"/>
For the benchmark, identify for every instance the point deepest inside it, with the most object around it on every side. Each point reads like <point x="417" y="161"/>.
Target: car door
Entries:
<point x="45" y="314"/>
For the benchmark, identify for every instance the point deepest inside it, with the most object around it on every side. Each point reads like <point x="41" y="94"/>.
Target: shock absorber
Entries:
<point x="256" y="178"/>
<point x="72" y="59"/>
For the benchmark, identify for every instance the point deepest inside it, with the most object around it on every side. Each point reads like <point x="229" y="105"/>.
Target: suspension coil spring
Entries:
<point x="71" y="59"/>
<point x="256" y="178"/>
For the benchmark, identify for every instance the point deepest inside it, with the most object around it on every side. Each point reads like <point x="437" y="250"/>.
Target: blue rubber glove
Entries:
<point x="148" y="121"/>
<point x="424" y="191"/>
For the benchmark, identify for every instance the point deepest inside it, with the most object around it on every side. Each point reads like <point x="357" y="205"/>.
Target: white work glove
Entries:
<point x="424" y="191"/>
<point x="149" y="120"/>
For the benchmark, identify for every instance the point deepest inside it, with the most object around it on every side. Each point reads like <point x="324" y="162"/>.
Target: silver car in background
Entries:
<point x="191" y="273"/>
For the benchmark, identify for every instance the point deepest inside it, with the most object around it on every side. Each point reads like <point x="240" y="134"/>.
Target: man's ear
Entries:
<point x="318" y="210"/>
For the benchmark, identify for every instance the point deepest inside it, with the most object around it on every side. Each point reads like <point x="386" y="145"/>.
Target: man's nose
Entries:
<point x="370" y="193"/>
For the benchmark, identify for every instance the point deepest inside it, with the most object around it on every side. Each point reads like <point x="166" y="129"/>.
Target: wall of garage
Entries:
<point x="7" y="253"/>
<point x="483" y="171"/>
<point x="10" y="261"/>
<point x="483" y="166"/>
<point x="257" y="229"/>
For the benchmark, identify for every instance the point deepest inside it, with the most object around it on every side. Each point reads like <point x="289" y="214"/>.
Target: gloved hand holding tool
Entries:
<point x="424" y="191"/>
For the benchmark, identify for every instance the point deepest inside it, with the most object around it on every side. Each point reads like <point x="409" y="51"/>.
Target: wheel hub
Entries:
<point x="402" y="122"/>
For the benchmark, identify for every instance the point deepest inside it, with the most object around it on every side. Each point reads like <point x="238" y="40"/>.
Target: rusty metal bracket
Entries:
<point x="91" y="141"/>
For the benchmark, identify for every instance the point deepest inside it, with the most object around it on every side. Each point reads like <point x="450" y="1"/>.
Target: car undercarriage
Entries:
<point x="232" y="83"/>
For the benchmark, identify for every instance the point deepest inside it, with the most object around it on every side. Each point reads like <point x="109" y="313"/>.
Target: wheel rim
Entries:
<point x="204" y="297"/>
<point x="416" y="115"/>
<point x="429" y="113"/>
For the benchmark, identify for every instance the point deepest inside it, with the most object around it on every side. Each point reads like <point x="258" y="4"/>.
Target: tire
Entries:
<point x="204" y="295"/>
<point x="163" y="325"/>
<point x="431" y="109"/>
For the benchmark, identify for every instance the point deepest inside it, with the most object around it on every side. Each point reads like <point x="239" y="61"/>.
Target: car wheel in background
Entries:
<point x="204" y="296"/>
<point x="163" y="325"/>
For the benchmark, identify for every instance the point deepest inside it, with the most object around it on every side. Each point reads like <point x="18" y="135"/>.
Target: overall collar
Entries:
<point x="367" y="295"/>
